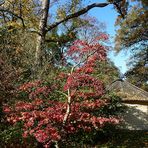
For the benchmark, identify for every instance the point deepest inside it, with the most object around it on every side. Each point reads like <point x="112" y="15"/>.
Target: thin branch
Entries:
<point x="60" y="40"/>
<point x="8" y="11"/>
<point x="2" y="3"/>
<point x="56" y="144"/>
<point x="68" y="91"/>
<point x="119" y="9"/>
<point x="82" y="61"/>
<point x="76" y="14"/>
<point x="4" y="17"/>
<point x="68" y="107"/>
<point x="52" y="40"/>
<point x="34" y="31"/>
<point x="145" y="36"/>
<point x="62" y="93"/>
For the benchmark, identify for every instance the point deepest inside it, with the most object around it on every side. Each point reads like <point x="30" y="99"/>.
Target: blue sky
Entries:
<point x="108" y="15"/>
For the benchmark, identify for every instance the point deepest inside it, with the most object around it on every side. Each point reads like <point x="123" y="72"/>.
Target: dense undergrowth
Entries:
<point x="69" y="108"/>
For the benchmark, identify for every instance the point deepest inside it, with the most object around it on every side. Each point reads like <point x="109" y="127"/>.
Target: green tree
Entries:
<point x="138" y="73"/>
<point x="107" y="71"/>
<point x="132" y="36"/>
<point x="132" y="32"/>
<point x="19" y="22"/>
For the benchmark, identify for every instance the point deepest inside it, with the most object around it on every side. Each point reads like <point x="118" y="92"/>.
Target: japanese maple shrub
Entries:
<point x="51" y="121"/>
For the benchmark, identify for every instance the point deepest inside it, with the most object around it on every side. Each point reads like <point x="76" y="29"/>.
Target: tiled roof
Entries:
<point x="128" y="91"/>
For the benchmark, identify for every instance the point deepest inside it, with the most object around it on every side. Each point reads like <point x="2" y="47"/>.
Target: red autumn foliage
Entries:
<point x="35" y="89"/>
<point x="78" y="81"/>
<point x="81" y="49"/>
<point x="49" y="120"/>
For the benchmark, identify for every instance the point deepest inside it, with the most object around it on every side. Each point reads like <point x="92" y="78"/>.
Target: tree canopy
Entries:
<point x="132" y="36"/>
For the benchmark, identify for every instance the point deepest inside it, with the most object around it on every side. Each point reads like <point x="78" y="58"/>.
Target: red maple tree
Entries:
<point x="50" y="121"/>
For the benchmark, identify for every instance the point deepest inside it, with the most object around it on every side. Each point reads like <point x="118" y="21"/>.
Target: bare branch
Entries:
<point x="10" y="12"/>
<point x="76" y="14"/>
<point x="34" y="31"/>
<point x="52" y="40"/>
<point x="1" y="3"/>
<point x="119" y="9"/>
<point x="58" y="40"/>
<point x="83" y="60"/>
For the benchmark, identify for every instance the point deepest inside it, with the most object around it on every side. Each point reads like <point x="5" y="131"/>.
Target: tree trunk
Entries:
<point x="42" y="33"/>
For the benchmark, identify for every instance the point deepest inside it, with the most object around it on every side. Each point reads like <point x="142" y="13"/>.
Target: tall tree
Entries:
<point x="42" y="32"/>
<point x="138" y="73"/>
<point x="107" y="71"/>
<point x="133" y="36"/>
<point x="42" y="35"/>
<point x="133" y="29"/>
<point x="45" y="26"/>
